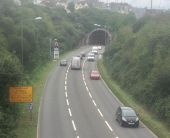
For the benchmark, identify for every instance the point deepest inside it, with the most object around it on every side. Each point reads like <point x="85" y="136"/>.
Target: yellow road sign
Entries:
<point x="20" y="94"/>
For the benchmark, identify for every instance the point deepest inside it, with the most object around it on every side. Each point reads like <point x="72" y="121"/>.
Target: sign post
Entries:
<point x="30" y="108"/>
<point x="56" y="49"/>
<point x="22" y="94"/>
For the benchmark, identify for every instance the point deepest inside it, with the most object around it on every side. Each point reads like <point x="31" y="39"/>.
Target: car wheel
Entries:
<point x="121" y="123"/>
<point x="137" y="125"/>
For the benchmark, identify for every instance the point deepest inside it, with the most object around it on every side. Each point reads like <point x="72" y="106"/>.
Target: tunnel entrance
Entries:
<point x="99" y="37"/>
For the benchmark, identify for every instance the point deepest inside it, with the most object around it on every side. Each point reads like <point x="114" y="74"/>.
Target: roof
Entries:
<point x="126" y="108"/>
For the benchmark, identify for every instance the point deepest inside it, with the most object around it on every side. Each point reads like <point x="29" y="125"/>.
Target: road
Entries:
<point x="73" y="106"/>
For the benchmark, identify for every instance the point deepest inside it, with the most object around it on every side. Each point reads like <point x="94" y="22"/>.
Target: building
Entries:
<point x="123" y="8"/>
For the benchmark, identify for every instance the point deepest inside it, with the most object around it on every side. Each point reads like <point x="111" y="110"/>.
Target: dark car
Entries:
<point x="63" y="62"/>
<point x="126" y="116"/>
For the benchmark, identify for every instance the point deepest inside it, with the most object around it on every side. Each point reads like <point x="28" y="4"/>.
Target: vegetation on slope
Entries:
<point x="139" y="60"/>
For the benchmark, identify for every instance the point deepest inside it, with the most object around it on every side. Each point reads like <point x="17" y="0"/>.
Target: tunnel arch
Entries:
<point x="98" y="37"/>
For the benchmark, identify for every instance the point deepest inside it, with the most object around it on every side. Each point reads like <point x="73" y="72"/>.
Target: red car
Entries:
<point x="94" y="75"/>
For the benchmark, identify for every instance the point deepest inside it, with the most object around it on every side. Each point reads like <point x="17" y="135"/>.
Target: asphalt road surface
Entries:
<point x="73" y="106"/>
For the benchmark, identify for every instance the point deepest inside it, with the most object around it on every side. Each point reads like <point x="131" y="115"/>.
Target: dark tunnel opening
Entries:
<point x="98" y="37"/>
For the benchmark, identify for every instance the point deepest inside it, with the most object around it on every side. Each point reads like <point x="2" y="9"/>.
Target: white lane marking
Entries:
<point x="69" y="110"/>
<point x="87" y="88"/>
<point x="65" y="82"/>
<point x="66" y="77"/>
<point x="74" y="126"/>
<point x="108" y="126"/>
<point x="100" y="112"/>
<point x="90" y="95"/>
<point x="85" y="84"/>
<point x="94" y="103"/>
<point x="67" y="102"/>
<point x="65" y="88"/>
<point x="66" y="94"/>
<point x="78" y="137"/>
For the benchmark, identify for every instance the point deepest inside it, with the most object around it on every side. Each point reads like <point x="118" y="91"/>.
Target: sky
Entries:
<point x="157" y="4"/>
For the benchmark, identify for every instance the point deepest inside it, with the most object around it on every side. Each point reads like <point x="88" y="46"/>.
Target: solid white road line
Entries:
<point x="108" y="126"/>
<point x="69" y="112"/>
<point x="74" y="126"/>
<point x="100" y="112"/>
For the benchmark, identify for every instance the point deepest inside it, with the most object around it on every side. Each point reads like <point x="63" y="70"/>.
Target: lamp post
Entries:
<point x="22" y="42"/>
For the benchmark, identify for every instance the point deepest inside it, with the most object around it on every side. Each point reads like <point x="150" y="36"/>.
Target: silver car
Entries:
<point x="63" y="62"/>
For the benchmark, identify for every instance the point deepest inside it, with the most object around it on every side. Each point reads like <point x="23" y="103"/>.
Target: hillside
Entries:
<point x="139" y="60"/>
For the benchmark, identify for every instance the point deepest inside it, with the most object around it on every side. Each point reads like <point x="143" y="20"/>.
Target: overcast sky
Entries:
<point x="158" y="4"/>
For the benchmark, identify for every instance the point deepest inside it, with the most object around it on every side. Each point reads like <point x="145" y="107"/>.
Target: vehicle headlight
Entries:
<point x="137" y="119"/>
<point x="124" y="119"/>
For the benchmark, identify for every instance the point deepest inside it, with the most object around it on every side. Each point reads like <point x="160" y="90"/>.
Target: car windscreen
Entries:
<point x="128" y="113"/>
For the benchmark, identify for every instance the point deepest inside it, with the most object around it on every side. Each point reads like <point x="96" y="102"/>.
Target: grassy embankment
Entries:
<point x="146" y="116"/>
<point x="27" y="123"/>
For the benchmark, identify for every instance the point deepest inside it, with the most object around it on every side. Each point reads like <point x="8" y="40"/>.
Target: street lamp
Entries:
<point x="22" y="42"/>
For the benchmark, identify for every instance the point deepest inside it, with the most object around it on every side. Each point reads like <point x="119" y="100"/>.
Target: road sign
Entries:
<point x="20" y="94"/>
<point x="56" y="54"/>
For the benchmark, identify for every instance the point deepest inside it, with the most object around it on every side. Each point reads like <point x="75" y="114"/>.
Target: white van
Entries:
<point x="76" y="63"/>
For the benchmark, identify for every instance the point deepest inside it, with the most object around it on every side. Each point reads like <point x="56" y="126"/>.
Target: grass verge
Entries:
<point x="146" y="116"/>
<point x="27" y="121"/>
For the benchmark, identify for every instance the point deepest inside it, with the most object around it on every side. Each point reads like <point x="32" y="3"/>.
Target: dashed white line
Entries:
<point x="65" y="88"/>
<point x="100" y="112"/>
<point x="94" y="103"/>
<point x="67" y="102"/>
<point x="66" y="94"/>
<point x="78" y="137"/>
<point x="87" y="89"/>
<point x="74" y="126"/>
<point x="108" y="126"/>
<point x="85" y="84"/>
<point x="69" y="112"/>
<point x="90" y="95"/>
<point x="65" y="82"/>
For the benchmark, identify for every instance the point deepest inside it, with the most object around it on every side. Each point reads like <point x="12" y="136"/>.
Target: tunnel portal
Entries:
<point x="99" y="37"/>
